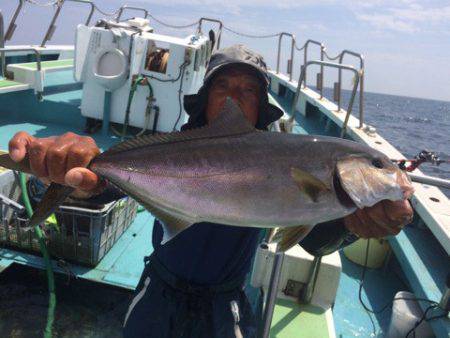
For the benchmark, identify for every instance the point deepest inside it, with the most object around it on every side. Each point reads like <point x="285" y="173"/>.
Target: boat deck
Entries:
<point x="47" y="65"/>
<point x="123" y="264"/>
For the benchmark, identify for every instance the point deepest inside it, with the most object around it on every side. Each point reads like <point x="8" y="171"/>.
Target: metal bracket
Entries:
<point x="293" y="288"/>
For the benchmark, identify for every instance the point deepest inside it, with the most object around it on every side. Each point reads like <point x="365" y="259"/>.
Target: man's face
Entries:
<point x="241" y="85"/>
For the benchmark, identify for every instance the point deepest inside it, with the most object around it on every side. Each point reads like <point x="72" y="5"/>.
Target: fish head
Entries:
<point x="367" y="178"/>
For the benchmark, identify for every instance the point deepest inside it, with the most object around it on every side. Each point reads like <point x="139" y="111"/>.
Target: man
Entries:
<point x="192" y="286"/>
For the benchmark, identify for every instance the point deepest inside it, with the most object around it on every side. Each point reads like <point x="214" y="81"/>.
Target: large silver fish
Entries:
<point x="230" y="173"/>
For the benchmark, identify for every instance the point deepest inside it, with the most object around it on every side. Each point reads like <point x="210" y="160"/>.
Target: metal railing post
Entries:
<point x="2" y="45"/>
<point x="361" y="95"/>
<point x="272" y="293"/>
<point x="52" y="27"/>
<point x="292" y="53"/>
<point x="326" y="64"/>
<point x="361" y="84"/>
<point x="12" y="25"/>
<point x="305" y="58"/>
<point x="340" y="83"/>
<point x="322" y="69"/>
<point x="133" y="8"/>
<point x="219" y="34"/>
<point x="88" y="20"/>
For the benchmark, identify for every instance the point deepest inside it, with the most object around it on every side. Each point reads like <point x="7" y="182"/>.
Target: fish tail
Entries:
<point x="52" y="199"/>
<point x="7" y="162"/>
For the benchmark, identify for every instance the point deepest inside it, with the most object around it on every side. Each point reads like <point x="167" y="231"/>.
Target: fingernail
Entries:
<point x="74" y="179"/>
<point x="15" y="155"/>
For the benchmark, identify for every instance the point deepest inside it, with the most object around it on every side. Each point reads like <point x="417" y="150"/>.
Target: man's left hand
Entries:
<point x="385" y="218"/>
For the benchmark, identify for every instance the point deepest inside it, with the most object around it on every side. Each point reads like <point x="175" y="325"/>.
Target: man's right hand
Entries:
<point x="61" y="159"/>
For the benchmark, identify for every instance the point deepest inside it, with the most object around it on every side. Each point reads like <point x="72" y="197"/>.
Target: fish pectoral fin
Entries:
<point x="52" y="199"/>
<point x="172" y="225"/>
<point x="7" y="162"/>
<point x="286" y="238"/>
<point x="308" y="184"/>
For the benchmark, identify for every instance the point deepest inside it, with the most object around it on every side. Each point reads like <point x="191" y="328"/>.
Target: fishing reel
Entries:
<point x="422" y="157"/>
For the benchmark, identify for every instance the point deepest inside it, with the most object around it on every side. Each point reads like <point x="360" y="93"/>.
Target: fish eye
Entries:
<point x="376" y="162"/>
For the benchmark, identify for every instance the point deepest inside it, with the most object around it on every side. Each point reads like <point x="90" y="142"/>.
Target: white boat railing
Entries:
<point x="52" y="27"/>
<point x="289" y="61"/>
<point x="124" y="7"/>
<point x="219" y="33"/>
<point x="319" y="80"/>
<point x="2" y="45"/>
<point x="320" y="76"/>
<point x="338" y="85"/>
<point x="339" y="66"/>
<point x="12" y="25"/>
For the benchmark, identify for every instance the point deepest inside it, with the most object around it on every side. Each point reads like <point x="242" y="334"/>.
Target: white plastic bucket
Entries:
<point x="405" y="314"/>
<point x="378" y="251"/>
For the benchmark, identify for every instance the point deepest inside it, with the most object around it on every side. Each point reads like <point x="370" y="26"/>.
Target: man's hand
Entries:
<point x="61" y="159"/>
<point x="385" y="218"/>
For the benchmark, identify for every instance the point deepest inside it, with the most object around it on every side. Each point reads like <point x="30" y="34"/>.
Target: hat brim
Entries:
<point x="194" y="105"/>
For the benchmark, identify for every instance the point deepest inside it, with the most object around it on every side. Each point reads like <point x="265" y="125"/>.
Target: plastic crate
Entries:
<point x="85" y="235"/>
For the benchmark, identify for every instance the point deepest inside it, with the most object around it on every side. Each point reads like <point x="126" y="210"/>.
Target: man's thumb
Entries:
<point x="82" y="178"/>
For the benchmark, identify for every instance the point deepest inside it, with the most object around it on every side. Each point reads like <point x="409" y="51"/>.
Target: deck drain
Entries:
<point x="378" y="142"/>
<point x="434" y="199"/>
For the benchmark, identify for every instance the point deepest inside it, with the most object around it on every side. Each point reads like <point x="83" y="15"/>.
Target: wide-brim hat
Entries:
<point x="221" y="60"/>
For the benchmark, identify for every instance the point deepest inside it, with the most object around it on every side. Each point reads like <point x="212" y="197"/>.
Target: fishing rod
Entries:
<point x="424" y="156"/>
<point x="430" y="180"/>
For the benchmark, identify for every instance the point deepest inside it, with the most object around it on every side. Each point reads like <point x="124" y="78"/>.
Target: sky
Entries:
<point x="405" y="43"/>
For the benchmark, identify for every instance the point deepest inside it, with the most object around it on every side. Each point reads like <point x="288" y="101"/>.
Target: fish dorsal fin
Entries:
<point x="286" y="238"/>
<point x="308" y="184"/>
<point x="230" y="121"/>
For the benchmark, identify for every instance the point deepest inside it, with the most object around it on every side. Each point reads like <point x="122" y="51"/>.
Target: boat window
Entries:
<point x="157" y="57"/>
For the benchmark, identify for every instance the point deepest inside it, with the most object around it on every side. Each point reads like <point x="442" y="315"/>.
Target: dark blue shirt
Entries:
<point x="208" y="253"/>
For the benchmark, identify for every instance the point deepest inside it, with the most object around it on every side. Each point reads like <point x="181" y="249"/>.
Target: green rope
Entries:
<point x="133" y="89"/>
<point x="48" y="266"/>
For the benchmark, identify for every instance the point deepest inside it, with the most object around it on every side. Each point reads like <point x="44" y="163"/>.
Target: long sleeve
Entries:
<point x="328" y="237"/>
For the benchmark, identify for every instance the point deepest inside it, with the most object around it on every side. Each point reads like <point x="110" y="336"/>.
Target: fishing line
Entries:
<point x="374" y="331"/>
<point x="389" y="304"/>
<point x="179" y="98"/>
<point x="180" y="77"/>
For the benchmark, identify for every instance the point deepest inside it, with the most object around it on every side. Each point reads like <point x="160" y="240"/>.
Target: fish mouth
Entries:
<point x="367" y="183"/>
<point x="342" y="196"/>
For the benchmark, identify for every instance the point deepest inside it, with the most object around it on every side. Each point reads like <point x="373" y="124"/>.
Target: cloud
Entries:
<point x="407" y="16"/>
<point x="239" y="6"/>
<point x="385" y="21"/>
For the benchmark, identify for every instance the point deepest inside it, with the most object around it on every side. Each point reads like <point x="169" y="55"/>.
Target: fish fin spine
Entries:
<point x="231" y="121"/>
